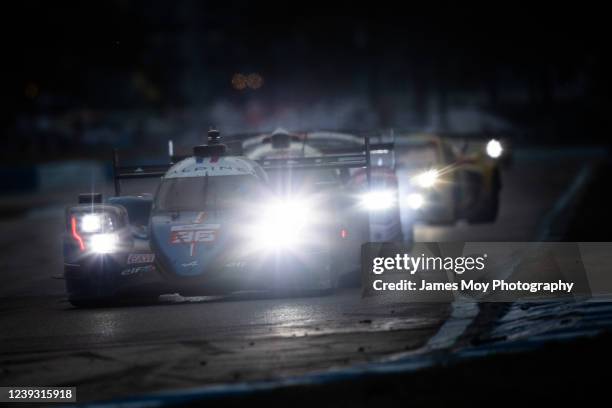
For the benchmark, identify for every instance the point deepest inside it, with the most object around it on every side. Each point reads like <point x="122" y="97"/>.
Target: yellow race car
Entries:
<point x="441" y="185"/>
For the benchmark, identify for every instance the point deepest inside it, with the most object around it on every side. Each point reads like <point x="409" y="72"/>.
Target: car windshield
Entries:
<point x="205" y="193"/>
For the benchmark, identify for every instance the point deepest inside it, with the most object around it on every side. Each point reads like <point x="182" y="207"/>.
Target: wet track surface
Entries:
<point x="192" y="342"/>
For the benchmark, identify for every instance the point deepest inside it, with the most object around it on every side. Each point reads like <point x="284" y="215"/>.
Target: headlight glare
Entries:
<point x="415" y="201"/>
<point x="95" y="222"/>
<point x="378" y="200"/>
<point x="282" y="224"/>
<point x="103" y="243"/>
<point x="494" y="149"/>
<point x="427" y="179"/>
<point x="91" y="223"/>
<point x="286" y="214"/>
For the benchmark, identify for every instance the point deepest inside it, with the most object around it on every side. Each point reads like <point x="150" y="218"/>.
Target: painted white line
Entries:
<point x="463" y="313"/>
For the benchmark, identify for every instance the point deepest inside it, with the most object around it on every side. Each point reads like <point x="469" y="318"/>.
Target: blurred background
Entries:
<point x="80" y="78"/>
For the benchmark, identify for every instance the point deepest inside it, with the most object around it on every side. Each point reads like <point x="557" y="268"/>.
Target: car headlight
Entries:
<point x="494" y="149"/>
<point x="96" y="228"/>
<point x="103" y="243"/>
<point x="92" y="222"/>
<point x="96" y="222"/>
<point x="427" y="179"/>
<point x="378" y="200"/>
<point x="281" y="224"/>
<point x="415" y="200"/>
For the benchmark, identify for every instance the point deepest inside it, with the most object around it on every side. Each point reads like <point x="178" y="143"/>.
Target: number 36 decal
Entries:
<point x="189" y="234"/>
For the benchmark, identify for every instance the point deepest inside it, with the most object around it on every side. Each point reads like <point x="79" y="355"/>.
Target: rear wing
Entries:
<point x="135" y="172"/>
<point x="374" y="149"/>
<point x="346" y="158"/>
<point x="343" y="159"/>
<point x="329" y="161"/>
<point x="381" y="153"/>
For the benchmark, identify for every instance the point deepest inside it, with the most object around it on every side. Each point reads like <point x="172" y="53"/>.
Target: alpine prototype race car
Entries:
<point x="215" y="225"/>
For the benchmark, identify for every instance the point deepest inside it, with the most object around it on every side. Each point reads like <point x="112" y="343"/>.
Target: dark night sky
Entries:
<point x="81" y="54"/>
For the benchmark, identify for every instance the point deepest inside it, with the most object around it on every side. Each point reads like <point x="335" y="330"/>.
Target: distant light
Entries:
<point x="343" y="233"/>
<point x="415" y="201"/>
<point x="254" y="81"/>
<point x="427" y="179"/>
<point x="494" y="149"/>
<point x="239" y="82"/>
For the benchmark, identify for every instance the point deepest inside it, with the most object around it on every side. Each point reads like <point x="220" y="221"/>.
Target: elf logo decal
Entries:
<point x="193" y="234"/>
<point x="138" y="270"/>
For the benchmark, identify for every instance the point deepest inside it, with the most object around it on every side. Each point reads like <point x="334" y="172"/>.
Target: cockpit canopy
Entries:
<point x="206" y="193"/>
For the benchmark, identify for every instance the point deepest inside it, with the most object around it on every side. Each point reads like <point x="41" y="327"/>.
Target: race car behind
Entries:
<point x="441" y="186"/>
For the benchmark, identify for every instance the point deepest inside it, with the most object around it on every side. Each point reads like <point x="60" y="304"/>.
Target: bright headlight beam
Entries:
<point x="281" y="224"/>
<point x="103" y="243"/>
<point x="91" y="223"/>
<point x="427" y="179"/>
<point x="415" y="201"/>
<point x="494" y="149"/>
<point x="377" y="200"/>
<point x="277" y="236"/>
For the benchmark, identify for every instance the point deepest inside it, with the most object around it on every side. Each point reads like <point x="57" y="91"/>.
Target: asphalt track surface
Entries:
<point x="182" y="343"/>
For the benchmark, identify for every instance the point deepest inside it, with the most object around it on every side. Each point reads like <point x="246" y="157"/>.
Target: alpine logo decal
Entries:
<point x="192" y="234"/>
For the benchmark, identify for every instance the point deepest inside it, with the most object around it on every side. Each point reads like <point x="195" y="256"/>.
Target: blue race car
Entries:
<point x="216" y="225"/>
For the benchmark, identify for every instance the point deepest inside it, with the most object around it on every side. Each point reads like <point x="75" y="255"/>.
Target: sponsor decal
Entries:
<point x="137" y="270"/>
<point x="220" y="169"/>
<point x="190" y="264"/>
<point x="140" y="258"/>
